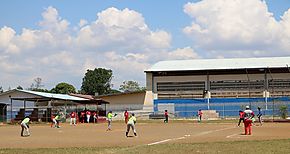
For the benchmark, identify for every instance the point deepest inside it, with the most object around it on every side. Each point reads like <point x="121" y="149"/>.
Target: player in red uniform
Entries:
<point x="83" y="116"/>
<point x="166" y="116"/>
<point x="52" y="122"/>
<point x="241" y="114"/>
<point x="88" y="113"/>
<point x="249" y="114"/>
<point x="199" y="115"/>
<point x="95" y="116"/>
<point x="126" y="115"/>
<point x="73" y="116"/>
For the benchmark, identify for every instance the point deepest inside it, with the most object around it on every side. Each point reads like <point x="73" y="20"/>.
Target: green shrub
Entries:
<point x="283" y="111"/>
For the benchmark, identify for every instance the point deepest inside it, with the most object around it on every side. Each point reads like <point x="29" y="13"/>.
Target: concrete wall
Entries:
<point x="129" y="98"/>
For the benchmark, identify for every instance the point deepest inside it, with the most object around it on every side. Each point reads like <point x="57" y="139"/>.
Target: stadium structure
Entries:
<point x="223" y="85"/>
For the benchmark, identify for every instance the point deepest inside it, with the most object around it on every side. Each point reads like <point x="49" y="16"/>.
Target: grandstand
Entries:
<point x="241" y="80"/>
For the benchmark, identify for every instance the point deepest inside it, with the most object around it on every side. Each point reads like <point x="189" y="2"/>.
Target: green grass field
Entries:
<point x="256" y="147"/>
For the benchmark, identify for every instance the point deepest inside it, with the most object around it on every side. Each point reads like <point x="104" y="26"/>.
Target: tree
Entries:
<point x="130" y="86"/>
<point x="114" y="91"/>
<point x="283" y="111"/>
<point x="19" y="87"/>
<point x="97" y="81"/>
<point x="1" y="89"/>
<point x="63" y="88"/>
<point x="37" y="85"/>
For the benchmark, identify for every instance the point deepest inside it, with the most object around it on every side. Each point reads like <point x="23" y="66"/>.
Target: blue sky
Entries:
<point x="178" y="29"/>
<point x="161" y="14"/>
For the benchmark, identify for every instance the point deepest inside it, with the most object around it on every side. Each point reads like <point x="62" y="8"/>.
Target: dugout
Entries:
<point x="40" y="105"/>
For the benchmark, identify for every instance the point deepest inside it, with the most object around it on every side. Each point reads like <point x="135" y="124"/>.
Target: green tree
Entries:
<point x="130" y="86"/>
<point x="114" y="91"/>
<point x="1" y="89"/>
<point x="97" y="81"/>
<point x="19" y="87"/>
<point x="283" y="111"/>
<point x="63" y="88"/>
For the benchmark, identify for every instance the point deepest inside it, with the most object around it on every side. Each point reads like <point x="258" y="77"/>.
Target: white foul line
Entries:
<point x="179" y="138"/>
<point x="160" y="142"/>
<point x="229" y="136"/>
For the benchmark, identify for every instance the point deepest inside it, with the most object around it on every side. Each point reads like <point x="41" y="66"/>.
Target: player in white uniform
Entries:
<point x="249" y="114"/>
<point x="131" y="124"/>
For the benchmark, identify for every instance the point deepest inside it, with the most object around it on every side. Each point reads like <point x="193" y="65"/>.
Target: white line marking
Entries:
<point x="159" y="142"/>
<point x="229" y="136"/>
<point x="179" y="138"/>
<point x="212" y="131"/>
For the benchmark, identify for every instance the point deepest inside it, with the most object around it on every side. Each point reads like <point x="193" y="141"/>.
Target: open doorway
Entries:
<point x="3" y="112"/>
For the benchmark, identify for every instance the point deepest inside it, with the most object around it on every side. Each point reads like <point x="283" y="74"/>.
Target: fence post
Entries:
<point x="223" y="110"/>
<point x="273" y="109"/>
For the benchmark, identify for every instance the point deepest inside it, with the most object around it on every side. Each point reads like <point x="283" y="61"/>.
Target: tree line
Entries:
<point x="94" y="82"/>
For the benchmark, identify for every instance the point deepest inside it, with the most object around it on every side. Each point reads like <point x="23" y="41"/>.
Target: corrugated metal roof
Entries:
<point x="55" y="96"/>
<point x="219" y="64"/>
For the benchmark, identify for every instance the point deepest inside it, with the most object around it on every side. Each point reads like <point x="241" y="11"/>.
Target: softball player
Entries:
<point x="109" y="118"/>
<point x="25" y="126"/>
<point x="260" y="116"/>
<point x="131" y="124"/>
<point x="249" y="114"/>
<point x="73" y="118"/>
<point x="56" y="120"/>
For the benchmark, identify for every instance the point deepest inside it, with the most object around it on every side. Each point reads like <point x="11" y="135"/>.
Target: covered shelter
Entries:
<point x="40" y="105"/>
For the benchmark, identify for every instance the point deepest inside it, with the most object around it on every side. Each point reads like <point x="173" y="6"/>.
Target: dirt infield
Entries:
<point x="149" y="133"/>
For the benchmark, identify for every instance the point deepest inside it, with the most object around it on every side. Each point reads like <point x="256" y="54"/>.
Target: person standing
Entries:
<point x="88" y="113"/>
<point x="126" y="115"/>
<point x="241" y="114"/>
<point x="73" y="118"/>
<point x="52" y="121"/>
<point x="95" y="116"/>
<point x="109" y="119"/>
<point x="259" y="115"/>
<point x="166" y="116"/>
<point x="131" y="124"/>
<point x="249" y="114"/>
<point x="25" y="126"/>
<point x="82" y="116"/>
<point x="199" y="115"/>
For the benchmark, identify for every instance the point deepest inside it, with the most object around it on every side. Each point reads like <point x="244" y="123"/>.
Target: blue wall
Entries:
<point x="224" y="106"/>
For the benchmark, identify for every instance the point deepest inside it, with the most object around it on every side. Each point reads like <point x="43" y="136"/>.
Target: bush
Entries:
<point x="283" y="111"/>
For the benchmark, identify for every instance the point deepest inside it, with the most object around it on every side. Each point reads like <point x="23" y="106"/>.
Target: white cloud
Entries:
<point x="59" y="52"/>
<point x="52" y="21"/>
<point x="230" y="26"/>
<point x="122" y="31"/>
<point x="83" y="22"/>
<point x="6" y="35"/>
<point x="183" y="53"/>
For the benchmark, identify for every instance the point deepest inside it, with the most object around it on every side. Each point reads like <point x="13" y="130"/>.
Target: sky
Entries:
<point x="59" y="41"/>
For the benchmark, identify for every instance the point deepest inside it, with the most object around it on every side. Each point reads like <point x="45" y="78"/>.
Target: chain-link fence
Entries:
<point x="225" y="107"/>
